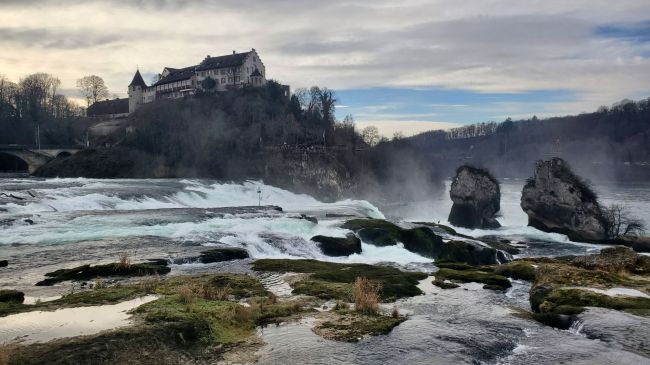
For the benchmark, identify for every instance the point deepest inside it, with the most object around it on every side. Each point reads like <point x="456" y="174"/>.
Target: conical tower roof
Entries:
<point x="137" y="80"/>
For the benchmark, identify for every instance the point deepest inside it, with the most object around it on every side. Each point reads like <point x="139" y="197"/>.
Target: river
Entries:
<point x="54" y="223"/>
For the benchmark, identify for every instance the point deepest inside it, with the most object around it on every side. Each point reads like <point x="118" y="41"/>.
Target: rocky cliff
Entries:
<point x="476" y="196"/>
<point x="557" y="200"/>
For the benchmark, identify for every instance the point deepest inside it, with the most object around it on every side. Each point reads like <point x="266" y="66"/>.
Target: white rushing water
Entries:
<point x="65" y="211"/>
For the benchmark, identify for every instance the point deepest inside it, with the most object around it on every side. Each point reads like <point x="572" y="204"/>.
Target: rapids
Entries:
<point x="59" y="223"/>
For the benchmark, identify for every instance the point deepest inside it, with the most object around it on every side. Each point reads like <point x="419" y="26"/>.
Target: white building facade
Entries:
<point x="212" y="74"/>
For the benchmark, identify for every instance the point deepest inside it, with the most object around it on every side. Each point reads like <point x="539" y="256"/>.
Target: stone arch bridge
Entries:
<point x="33" y="157"/>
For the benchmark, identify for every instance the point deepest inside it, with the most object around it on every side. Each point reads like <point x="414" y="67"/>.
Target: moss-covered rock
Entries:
<point x="500" y="244"/>
<point x="352" y="327"/>
<point x="395" y="283"/>
<point x="14" y="296"/>
<point x="339" y="246"/>
<point x="423" y="241"/>
<point x="560" y="298"/>
<point x="468" y="252"/>
<point x="223" y="254"/>
<point x="87" y="272"/>
<point x="520" y="270"/>
<point x="561" y="286"/>
<point x="444" y="284"/>
<point x="378" y="232"/>
<point x="491" y="280"/>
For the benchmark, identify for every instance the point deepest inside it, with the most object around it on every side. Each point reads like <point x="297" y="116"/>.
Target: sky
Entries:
<point x="407" y="65"/>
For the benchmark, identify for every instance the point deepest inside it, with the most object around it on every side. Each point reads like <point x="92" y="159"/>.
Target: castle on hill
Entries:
<point x="213" y="74"/>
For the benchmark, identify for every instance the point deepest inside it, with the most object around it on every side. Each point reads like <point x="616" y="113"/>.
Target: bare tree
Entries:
<point x="327" y="103"/>
<point x="37" y="94"/>
<point x="92" y="88"/>
<point x="8" y="98"/>
<point x="619" y="224"/>
<point x="370" y="135"/>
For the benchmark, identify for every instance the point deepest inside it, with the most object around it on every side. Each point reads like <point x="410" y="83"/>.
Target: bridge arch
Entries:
<point x="10" y="162"/>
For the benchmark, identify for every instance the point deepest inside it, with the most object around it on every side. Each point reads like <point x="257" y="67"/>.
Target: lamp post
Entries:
<point x="259" y="196"/>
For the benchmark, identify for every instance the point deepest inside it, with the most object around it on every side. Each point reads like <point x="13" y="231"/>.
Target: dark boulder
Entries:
<point x="555" y="320"/>
<point x="13" y="296"/>
<point x="4" y="263"/>
<point x="88" y="272"/>
<point x="339" y="246"/>
<point x="223" y="254"/>
<point x="476" y="196"/>
<point x="424" y="242"/>
<point x="557" y="200"/>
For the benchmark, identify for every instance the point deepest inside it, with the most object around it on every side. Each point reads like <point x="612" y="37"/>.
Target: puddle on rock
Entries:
<point x="43" y="326"/>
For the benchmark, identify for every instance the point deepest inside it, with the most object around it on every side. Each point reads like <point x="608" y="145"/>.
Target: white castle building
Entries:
<point x="212" y="74"/>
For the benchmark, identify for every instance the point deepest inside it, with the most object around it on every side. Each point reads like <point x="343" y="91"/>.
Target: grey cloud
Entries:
<point x="55" y="39"/>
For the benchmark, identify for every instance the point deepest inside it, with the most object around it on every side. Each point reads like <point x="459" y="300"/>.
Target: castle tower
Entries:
<point x="136" y="89"/>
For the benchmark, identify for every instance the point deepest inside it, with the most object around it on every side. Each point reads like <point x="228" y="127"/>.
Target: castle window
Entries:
<point x="223" y="80"/>
<point x="223" y="72"/>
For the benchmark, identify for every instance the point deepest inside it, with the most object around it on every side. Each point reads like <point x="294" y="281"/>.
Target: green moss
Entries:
<point x="445" y="285"/>
<point x="357" y="224"/>
<point x="572" y="298"/>
<point x="222" y="322"/>
<point x="352" y="327"/>
<point x="467" y="276"/>
<point x="422" y="241"/>
<point x="395" y="283"/>
<point x="223" y="254"/>
<point x="444" y="228"/>
<point x="517" y="270"/>
<point x="461" y="251"/>
<point x="455" y="265"/>
<point x="241" y="286"/>
<point x="7" y="308"/>
<point x="9" y="295"/>
<point x="503" y="246"/>
<point x="324" y="289"/>
<point x="163" y="344"/>
<point x="109" y="295"/>
<point x="87" y="272"/>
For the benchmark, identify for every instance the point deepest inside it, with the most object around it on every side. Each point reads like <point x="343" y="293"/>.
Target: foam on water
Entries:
<point x="76" y="210"/>
<point x="68" y="195"/>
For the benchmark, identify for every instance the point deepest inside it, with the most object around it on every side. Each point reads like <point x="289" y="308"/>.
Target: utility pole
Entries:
<point x="38" y="136"/>
<point x="259" y="196"/>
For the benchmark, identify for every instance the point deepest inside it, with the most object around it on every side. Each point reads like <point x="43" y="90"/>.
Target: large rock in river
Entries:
<point x="476" y="196"/>
<point x="557" y="200"/>
<point x="338" y="246"/>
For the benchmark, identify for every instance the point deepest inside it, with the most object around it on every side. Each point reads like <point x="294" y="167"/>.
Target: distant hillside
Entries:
<point x="611" y="144"/>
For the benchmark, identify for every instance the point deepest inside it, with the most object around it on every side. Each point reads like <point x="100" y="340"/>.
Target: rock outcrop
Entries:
<point x="476" y="196"/>
<point x="223" y="254"/>
<point x="557" y="200"/>
<point x="11" y="296"/>
<point x="339" y="246"/>
<point x="424" y="242"/>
